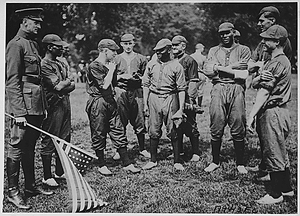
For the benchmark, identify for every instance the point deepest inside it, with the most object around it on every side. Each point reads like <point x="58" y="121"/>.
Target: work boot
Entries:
<point x="15" y="198"/>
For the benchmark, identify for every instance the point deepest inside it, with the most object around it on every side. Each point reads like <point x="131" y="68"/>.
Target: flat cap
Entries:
<point x="30" y="13"/>
<point x="275" y="32"/>
<point x="236" y="33"/>
<point x="54" y="39"/>
<point x="162" y="43"/>
<point x="273" y="10"/>
<point x="178" y="39"/>
<point x="108" y="43"/>
<point x="226" y="26"/>
<point x="127" y="37"/>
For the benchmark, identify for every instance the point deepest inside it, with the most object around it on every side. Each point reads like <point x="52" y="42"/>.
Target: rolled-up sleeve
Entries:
<point x="50" y="77"/>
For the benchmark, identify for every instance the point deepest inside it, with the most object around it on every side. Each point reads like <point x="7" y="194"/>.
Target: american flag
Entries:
<point x="81" y="194"/>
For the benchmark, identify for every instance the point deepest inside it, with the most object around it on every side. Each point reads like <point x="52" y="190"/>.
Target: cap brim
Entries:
<point x="59" y="43"/>
<point x="221" y="30"/>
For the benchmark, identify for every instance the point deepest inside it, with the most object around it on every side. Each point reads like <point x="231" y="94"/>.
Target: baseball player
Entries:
<point x="200" y="59"/>
<point x="102" y="109"/>
<point x="272" y="115"/>
<point x="227" y="67"/>
<point x="164" y="88"/>
<point x="129" y="92"/>
<point x="57" y="85"/>
<point x="189" y="127"/>
<point x="267" y="17"/>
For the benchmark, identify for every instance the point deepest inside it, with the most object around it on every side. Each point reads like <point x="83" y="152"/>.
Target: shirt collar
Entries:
<point x="25" y="35"/>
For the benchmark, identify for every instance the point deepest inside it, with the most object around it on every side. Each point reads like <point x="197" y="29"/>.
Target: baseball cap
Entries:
<point x="271" y="9"/>
<point x="108" y="43"/>
<point x="275" y="32"/>
<point x="54" y="39"/>
<point x="127" y="37"/>
<point x="237" y="33"/>
<point x="178" y="39"/>
<point x="30" y="13"/>
<point x="226" y="26"/>
<point x="162" y="43"/>
<point x="199" y="46"/>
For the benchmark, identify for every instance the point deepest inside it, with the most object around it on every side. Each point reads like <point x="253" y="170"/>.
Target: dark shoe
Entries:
<point x="15" y="198"/>
<point x="36" y="191"/>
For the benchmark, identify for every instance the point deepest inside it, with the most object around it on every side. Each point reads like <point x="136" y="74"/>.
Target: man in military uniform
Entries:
<point x="129" y="92"/>
<point x="189" y="127"/>
<point x="26" y="103"/>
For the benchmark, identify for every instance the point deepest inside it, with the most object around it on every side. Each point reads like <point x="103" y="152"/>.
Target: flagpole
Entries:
<point x="55" y="137"/>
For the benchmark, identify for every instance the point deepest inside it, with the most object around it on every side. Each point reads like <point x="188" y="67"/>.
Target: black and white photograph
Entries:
<point x="171" y="107"/>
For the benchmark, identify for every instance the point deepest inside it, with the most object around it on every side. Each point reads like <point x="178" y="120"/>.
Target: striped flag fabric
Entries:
<point x="81" y="194"/>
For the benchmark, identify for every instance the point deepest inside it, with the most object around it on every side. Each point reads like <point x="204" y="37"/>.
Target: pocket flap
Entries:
<point x="30" y="59"/>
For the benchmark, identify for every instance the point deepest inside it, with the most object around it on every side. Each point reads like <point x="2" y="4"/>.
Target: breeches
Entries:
<point x="57" y="123"/>
<point x="131" y="107"/>
<point x="273" y="126"/>
<point x="104" y="119"/>
<point x="227" y="106"/>
<point x="161" y="110"/>
<point x="23" y="139"/>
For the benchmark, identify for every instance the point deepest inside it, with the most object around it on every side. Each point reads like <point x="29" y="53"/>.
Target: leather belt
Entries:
<point x="31" y="79"/>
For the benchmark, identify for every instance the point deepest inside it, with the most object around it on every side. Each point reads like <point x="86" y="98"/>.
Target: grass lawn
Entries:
<point x="163" y="190"/>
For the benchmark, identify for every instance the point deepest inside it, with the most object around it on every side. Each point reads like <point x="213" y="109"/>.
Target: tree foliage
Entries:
<point x="83" y="25"/>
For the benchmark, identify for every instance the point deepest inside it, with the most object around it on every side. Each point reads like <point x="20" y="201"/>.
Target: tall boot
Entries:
<point x="46" y="161"/>
<point x="14" y="196"/>
<point x="239" y="147"/>
<point x="200" y="101"/>
<point x="153" y="149"/>
<point x="28" y="169"/>
<point x="216" y="148"/>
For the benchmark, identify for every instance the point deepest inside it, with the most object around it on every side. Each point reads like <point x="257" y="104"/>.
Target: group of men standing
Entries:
<point x="168" y="90"/>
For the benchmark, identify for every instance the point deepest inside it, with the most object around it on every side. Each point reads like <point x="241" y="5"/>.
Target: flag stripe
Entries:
<point x="81" y="194"/>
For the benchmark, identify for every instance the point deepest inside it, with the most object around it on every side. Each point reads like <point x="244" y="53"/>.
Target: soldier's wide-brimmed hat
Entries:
<point x="162" y="43"/>
<point x="30" y="13"/>
<point x="108" y="43"/>
<point x="54" y="39"/>
<point x="127" y="37"/>
<point x="275" y="32"/>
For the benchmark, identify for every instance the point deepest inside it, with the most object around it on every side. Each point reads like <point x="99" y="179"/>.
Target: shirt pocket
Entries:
<point x="31" y="64"/>
<point x="27" y="94"/>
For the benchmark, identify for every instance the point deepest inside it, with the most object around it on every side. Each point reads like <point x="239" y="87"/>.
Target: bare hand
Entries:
<point x="21" y="121"/>
<point x="111" y="66"/>
<point x="239" y="66"/>
<point x="251" y="124"/>
<point x="146" y="111"/>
